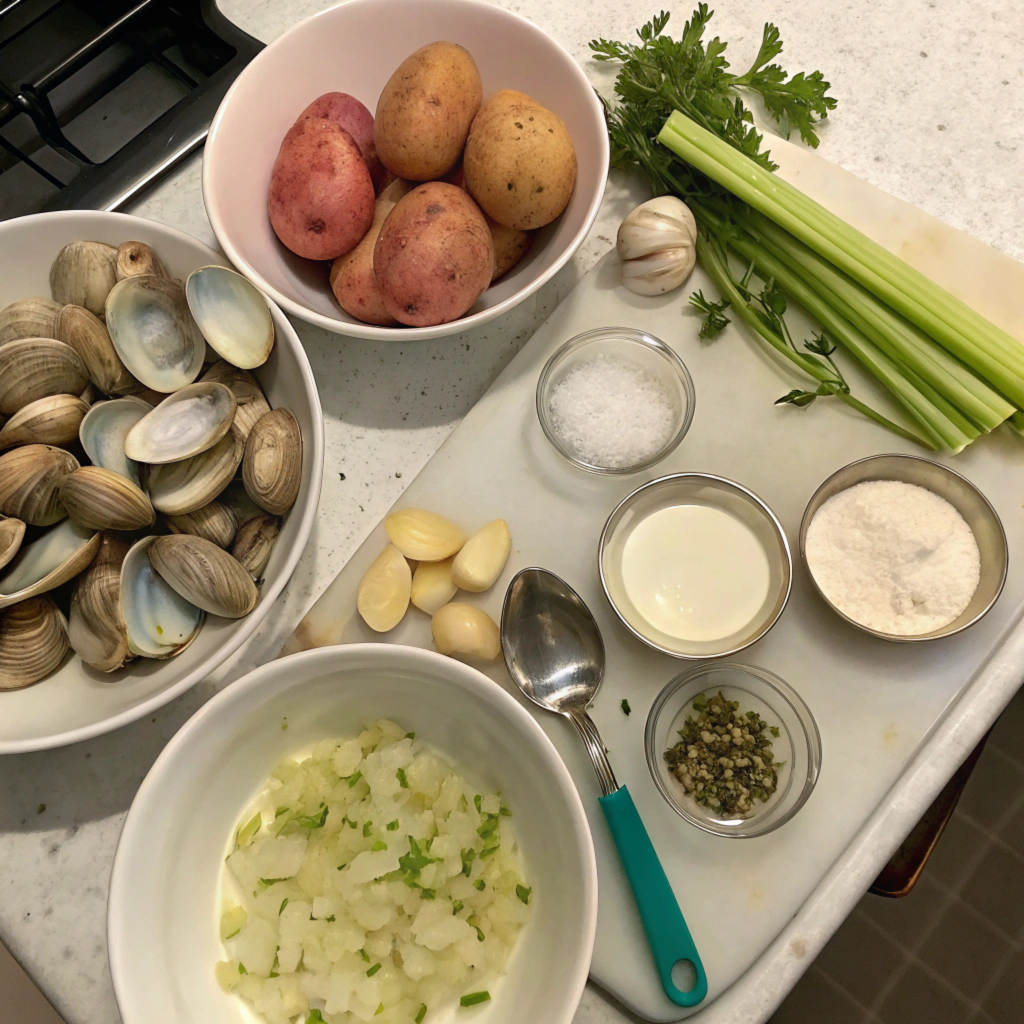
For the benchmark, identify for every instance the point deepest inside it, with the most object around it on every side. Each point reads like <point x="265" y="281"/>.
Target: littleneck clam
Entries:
<point x="104" y="429"/>
<point x="232" y="314"/>
<point x="51" y="420"/>
<point x="28" y="318"/>
<point x="30" y="479"/>
<point x="96" y="626"/>
<point x="136" y="259"/>
<point x="154" y="333"/>
<point x="252" y="404"/>
<point x="272" y="466"/>
<point x="176" y="488"/>
<point x="216" y="522"/>
<point x="12" y="533"/>
<point x="254" y="543"/>
<point x="100" y="499"/>
<point x="36" y="367"/>
<point x="204" y="574"/>
<point x="159" y="623"/>
<point x="88" y="336"/>
<point x="54" y="558"/>
<point x="33" y="642"/>
<point x="83" y="275"/>
<point x="184" y="424"/>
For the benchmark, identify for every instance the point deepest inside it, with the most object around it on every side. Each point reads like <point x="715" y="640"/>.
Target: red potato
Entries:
<point x="352" y="278"/>
<point x="321" y="195"/>
<point x="354" y="117"/>
<point x="434" y="256"/>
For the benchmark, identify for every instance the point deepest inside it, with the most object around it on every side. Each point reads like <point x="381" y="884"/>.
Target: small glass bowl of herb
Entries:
<point x="733" y="749"/>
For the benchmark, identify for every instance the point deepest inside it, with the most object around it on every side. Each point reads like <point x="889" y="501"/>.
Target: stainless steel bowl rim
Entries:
<point x="708" y="477"/>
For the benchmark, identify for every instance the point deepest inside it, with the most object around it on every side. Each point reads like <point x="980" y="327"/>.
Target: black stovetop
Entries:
<point x="99" y="97"/>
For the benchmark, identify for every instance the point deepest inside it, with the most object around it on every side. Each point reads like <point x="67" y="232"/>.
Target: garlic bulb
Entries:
<point x="657" y="244"/>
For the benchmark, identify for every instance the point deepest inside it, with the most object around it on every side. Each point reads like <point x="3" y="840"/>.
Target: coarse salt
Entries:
<point x="894" y="557"/>
<point x="610" y="412"/>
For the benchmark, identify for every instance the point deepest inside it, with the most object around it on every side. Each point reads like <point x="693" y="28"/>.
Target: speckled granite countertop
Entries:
<point x="929" y="94"/>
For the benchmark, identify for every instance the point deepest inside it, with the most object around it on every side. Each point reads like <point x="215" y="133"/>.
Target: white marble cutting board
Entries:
<point x="876" y="703"/>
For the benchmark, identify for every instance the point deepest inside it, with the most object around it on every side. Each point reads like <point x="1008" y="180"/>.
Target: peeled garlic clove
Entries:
<point x="33" y="642"/>
<point x="52" y="420"/>
<point x="135" y="259"/>
<point x="83" y="274"/>
<point x="232" y="314"/>
<point x="176" y="488"/>
<point x="272" y="465"/>
<point x="28" y="318"/>
<point x="96" y="628"/>
<point x="384" y="590"/>
<point x="204" y="575"/>
<point x="12" y="533"/>
<point x="657" y="244"/>
<point x="255" y="542"/>
<point x="88" y="336"/>
<point x="252" y="404"/>
<point x="182" y="425"/>
<point x="422" y="535"/>
<point x="215" y="522"/>
<point x="432" y="585"/>
<point x="30" y="479"/>
<point x="478" y="565"/>
<point x="464" y="632"/>
<point x="34" y="368"/>
<point x="54" y="558"/>
<point x="100" y="499"/>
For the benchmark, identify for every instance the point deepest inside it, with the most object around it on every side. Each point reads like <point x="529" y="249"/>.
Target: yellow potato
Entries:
<point x="510" y="246"/>
<point x="426" y="108"/>
<point x="520" y="164"/>
<point x="352" y="278"/>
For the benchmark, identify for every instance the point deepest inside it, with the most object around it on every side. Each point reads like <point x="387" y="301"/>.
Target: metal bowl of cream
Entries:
<point x="695" y="566"/>
<point x="975" y="508"/>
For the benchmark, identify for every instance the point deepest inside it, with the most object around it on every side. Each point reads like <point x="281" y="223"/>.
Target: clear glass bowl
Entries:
<point x="642" y="350"/>
<point x="756" y="689"/>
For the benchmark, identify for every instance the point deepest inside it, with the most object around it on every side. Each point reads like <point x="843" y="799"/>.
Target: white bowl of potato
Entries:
<point x="293" y="186"/>
<point x="507" y="929"/>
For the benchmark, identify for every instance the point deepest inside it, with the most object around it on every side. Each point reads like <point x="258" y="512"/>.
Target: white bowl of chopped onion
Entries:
<point x="369" y="832"/>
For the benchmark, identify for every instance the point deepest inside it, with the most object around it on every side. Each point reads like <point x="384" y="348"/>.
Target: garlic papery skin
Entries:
<point x="657" y="244"/>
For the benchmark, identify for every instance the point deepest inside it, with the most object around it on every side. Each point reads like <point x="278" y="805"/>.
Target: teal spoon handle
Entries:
<point x="667" y="934"/>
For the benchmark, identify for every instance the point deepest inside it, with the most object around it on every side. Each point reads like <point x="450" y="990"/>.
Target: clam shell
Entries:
<point x="215" y="522"/>
<point x="232" y="314"/>
<point x="241" y="505"/>
<point x="159" y="623"/>
<point x="28" y="318"/>
<point x="136" y="259"/>
<point x="100" y="499"/>
<point x="272" y="466"/>
<point x="12" y="533"/>
<point x="255" y="542"/>
<point x="252" y="404"/>
<point x="96" y="627"/>
<point x="83" y="275"/>
<point x="33" y="368"/>
<point x="184" y="424"/>
<point x="52" y="420"/>
<point x="88" y="336"/>
<point x="33" y="642"/>
<point x="153" y="332"/>
<point x="30" y="479"/>
<point x="104" y="429"/>
<point x="54" y="558"/>
<point x="204" y="574"/>
<point x="176" y="488"/>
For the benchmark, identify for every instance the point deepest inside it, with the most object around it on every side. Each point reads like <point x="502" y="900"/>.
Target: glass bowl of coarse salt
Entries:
<point x="615" y="400"/>
<point x="904" y="548"/>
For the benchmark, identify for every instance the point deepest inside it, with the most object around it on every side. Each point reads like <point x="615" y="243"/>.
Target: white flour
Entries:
<point x="894" y="557"/>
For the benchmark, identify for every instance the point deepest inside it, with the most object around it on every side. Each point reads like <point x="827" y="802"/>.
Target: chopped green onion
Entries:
<point x="524" y="894"/>
<point x="353" y="779"/>
<point x="241" y="968"/>
<point x="315" y="1017"/>
<point x="248" y="830"/>
<point x="410" y="735"/>
<point x="266" y="883"/>
<point x="479" y="885"/>
<point x="490" y="851"/>
<point x="422" y="1013"/>
<point x="475" y="997"/>
<point x="472" y="922"/>
<point x="624" y="704"/>
<point x="477" y="801"/>
<point x="457" y="905"/>
<point x="392" y="826"/>
<point x="428" y="894"/>
<point x="280" y="909"/>
<point x="504" y="811"/>
<point x="378" y="846"/>
<point x="373" y="970"/>
<point x="402" y="780"/>
<point x="364" y="955"/>
<point x="379" y="1010"/>
<point x="367" y="826"/>
<point x="468" y="856"/>
<point x="277" y="814"/>
<point x="313" y="820"/>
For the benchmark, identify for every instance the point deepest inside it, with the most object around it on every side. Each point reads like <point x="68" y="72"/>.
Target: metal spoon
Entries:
<point x="554" y="652"/>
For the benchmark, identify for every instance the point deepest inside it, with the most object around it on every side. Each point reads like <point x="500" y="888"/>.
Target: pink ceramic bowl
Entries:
<point x="354" y="48"/>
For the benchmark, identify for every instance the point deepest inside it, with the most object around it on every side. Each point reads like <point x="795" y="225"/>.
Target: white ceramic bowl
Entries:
<point x="77" y="702"/>
<point x="354" y="48"/>
<point x="163" y="912"/>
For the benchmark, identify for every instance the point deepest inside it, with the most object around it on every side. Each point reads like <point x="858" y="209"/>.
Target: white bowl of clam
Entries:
<point x="161" y="453"/>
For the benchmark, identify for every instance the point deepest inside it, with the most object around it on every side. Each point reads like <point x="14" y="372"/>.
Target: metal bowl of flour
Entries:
<point x="976" y="509"/>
